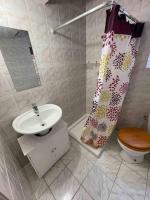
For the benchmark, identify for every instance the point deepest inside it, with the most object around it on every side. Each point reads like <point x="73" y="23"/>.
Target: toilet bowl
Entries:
<point x="135" y="143"/>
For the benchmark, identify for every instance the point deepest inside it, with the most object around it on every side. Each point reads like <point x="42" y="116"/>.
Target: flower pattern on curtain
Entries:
<point x="116" y="63"/>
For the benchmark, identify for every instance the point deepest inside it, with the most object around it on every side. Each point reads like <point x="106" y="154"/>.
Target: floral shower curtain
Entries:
<point x="120" y="44"/>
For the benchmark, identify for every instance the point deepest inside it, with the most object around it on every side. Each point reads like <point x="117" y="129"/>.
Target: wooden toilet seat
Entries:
<point x="135" y="138"/>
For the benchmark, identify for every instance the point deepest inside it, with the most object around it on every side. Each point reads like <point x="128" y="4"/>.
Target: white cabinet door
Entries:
<point x="61" y="142"/>
<point x="50" y="148"/>
<point x="42" y="159"/>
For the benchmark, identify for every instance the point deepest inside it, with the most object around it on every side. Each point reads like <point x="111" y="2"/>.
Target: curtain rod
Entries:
<point x="103" y="5"/>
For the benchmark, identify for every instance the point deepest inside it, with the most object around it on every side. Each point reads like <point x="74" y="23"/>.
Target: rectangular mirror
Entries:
<point x="17" y="51"/>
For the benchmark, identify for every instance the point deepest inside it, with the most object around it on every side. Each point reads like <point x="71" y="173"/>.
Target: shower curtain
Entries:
<point x="120" y="44"/>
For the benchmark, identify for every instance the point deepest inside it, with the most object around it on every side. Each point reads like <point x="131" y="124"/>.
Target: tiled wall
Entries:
<point x="137" y="101"/>
<point x="60" y="59"/>
<point x="94" y="29"/>
<point x="13" y="182"/>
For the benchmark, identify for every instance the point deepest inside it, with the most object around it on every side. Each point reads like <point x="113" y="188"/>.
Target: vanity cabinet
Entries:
<point x="44" y="151"/>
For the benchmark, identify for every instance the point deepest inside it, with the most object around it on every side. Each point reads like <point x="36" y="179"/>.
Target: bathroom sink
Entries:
<point x="30" y="123"/>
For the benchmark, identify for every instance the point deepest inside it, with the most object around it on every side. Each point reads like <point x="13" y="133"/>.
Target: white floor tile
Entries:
<point x="54" y="172"/>
<point x="141" y="169"/>
<point x="38" y="184"/>
<point x="16" y="188"/>
<point x="98" y="184"/>
<point x="97" y="175"/>
<point x="148" y="187"/>
<point x="65" y="186"/>
<point x="82" y="195"/>
<point x="131" y="182"/>
<point x="47" y="195"/>
<point x="109" y="165"/>
<point x="27" y="189"/>
<point x="83" y="150"/>
<point x="147" y="197"/>
<point x="148" y="174"/>
<point x="118" y="194"/>
<point x="114" y="149"/>
<point x="70" y="155"/>
<point x="80" y="167"/>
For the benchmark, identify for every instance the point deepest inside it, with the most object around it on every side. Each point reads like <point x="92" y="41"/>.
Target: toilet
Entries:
<point x="135" y="143"/>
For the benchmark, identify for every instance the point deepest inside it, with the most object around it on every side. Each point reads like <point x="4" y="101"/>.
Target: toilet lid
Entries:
<point x="135" y="138"/>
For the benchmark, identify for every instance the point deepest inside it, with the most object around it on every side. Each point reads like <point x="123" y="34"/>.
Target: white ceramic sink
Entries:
<point x="29" y="122"/>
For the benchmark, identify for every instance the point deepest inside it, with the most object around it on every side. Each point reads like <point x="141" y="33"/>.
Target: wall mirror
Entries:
<point x="17" y="52"/>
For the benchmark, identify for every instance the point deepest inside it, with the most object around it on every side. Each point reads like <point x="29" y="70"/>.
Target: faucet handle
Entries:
<point x="34" y="106"/>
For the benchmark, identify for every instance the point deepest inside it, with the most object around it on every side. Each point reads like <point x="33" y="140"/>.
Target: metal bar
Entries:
<point x="103" y="5"/>
<point x="109" y="3"/>
<point x="128" y="15"/>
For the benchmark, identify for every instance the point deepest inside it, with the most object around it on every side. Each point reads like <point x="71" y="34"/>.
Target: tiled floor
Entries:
<point x="80" y="176"/>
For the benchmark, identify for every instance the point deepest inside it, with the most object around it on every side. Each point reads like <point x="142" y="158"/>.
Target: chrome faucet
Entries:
<point x="35" y="109"/>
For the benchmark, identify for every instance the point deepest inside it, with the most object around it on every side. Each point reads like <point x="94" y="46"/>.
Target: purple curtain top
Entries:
<point x="119" y="24"/>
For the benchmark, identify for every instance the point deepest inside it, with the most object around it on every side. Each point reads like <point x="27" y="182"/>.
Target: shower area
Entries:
<point x="94" y="21"/>
<point x="108" y="71"/>
<point x="68" y="64"/>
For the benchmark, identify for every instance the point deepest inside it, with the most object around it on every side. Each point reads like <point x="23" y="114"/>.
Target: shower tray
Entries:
<point x="75" y="131"/>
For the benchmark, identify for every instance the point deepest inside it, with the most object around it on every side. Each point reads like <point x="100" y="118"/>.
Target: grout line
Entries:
<point x="7" y="176"/>
<point x="76" y="192"/>
<point x="49" y="189"/>
<point x="80" y="183"/>
<point x="105" y="172"/>
<point x="93" y="165"/>
<point x="114" y="180"/>
<point x="88" y="192"/>
<point x="55" y="177"/>
<point x="52" y="193"/>
<point x="119" y="185"/>
<point x="135" y="171"/>
<point x="85" y="191"/>
<point x="146" y="185"/>
<point x="111" y="179"/>
<point x="102" y="173"/>
<point x="73" y="177"/>
<point x="84" y="153"/>
<point x="68" y="162"/>
<point x="84" y="180"/>
<point x="72" y="160"/>
<point x="18" y="177"/>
